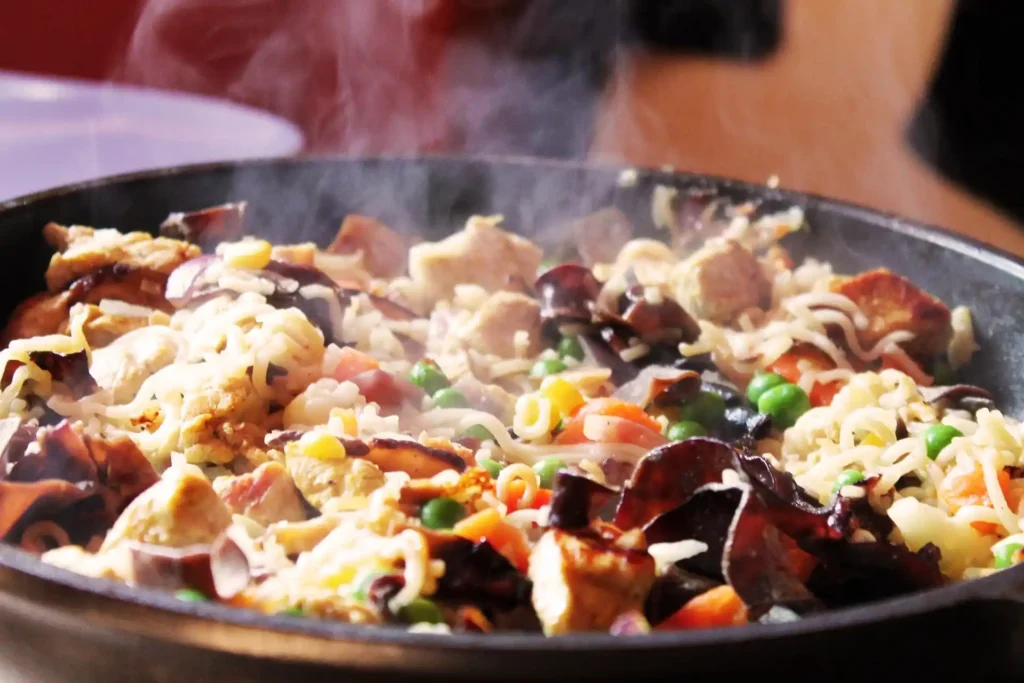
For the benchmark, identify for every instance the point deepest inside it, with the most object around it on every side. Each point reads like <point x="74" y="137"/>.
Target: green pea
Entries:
<point x="479" y="432"/>
<point x="421" y="610"/>
<point x="937" y="437"/>
<point x="493" y="467"/>
<point x="706" y="408"/>
<point x="762" y="382"/>
<point x="1004" y="556"/>
<point x="428" y="377"/>
<point x="450" y="398"/>
<point x="848" y="478"/>
<point x="570" y="347"/>
<point x="441" y="513"/>
<point x="546" y="470"/>
<point x="680" y="431"/>
<point x="551" y="366"/>
<point x="292" y="612"/>
<point x="785" y="403"/>
<point x="190" y="595"/>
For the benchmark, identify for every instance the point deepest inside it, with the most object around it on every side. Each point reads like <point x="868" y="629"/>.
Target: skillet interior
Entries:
<point x="299" y="200"/>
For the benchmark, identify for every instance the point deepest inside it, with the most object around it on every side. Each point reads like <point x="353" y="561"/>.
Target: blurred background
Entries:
<point x="905" y="105"/>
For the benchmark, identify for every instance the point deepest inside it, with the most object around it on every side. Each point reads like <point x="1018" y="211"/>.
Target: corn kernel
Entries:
<point x="872" y="440"/>
<point x="346" y="419"/>
<point x="249" y="254"/>
<point x="563" y="396"/>
<point x="342" y="577"/>
<point x="321" y="446"/>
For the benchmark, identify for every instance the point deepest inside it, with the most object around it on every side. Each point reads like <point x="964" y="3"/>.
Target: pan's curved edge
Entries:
<point x="158" y="602"/>
<point x="939" y="235"/>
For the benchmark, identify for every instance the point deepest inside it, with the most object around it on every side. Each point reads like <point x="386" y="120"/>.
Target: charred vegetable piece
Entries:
<point x="71" y="369"/>
<point x="215" y="224"/>
<point x="475" y="571"/>
<point x="576" y="500"/>
<point x="567" y="293"/>
<point x="660" y="385"/>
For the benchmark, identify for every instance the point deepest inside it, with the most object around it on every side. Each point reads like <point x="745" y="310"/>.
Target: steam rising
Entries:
<point x="376" y="76"/>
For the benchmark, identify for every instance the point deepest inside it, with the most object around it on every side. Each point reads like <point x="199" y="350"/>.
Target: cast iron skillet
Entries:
<point x="55" y="625"/>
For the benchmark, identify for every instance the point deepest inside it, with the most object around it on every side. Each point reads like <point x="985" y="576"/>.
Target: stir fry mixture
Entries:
<point x="456" y="436"/>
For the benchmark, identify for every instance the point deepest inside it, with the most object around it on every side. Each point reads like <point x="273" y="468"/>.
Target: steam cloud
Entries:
<point x="379" y="76"/>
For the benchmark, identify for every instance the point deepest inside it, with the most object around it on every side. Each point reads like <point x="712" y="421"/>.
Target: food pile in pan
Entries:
<point x="461" y="436"/>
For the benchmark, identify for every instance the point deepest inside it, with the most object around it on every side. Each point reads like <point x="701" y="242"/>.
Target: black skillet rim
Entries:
<point x="995" y="587"/>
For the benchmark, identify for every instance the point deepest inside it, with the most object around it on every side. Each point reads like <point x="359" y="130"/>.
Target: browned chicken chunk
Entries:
<point x="493" y="327"/>
<point x="266" y="495"/>
<point x="37" y="316"/>
<point x="481" y="254"/>
<point x="384" y="250"/>
<point x="83" y="250"/>
<point x="891" y="302"/>
<point x="720" y="281"/>
<point x="582" y="583"/>
<point x="320" y="480"/>
<point x="179" y="510"/>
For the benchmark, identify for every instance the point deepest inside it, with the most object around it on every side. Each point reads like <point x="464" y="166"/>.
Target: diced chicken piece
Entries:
<point x="37" y="316"/>
<point x="492" y="329"/>
<point x="297" y="254"/>
<point x="299" y="537"/>
<point x="583" y="583"/>
<point x="179" y="510"/>
<point x="720" y="281"/>
<point x="84" y="250"/>
<point x="891" y="303"/>
<point x="323" y="479"/>
<point x="110" y="565"/>
<point x="482" y="254"/>
<point x="122" y="366"/>
<point x="102" y="328"/>
<point x="219" y="400"/>
<point x="266" y="495"/>
<point x="384" y="250"/>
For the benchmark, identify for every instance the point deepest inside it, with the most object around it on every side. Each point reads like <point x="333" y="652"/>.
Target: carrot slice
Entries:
<point x="716" y="608"/>
<point x="965" y="486"/>
<point x="514" y="494"/>
<point x="789" y="366"/>
<point x="487" y="525"/>
<point x="610" y="407"/>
